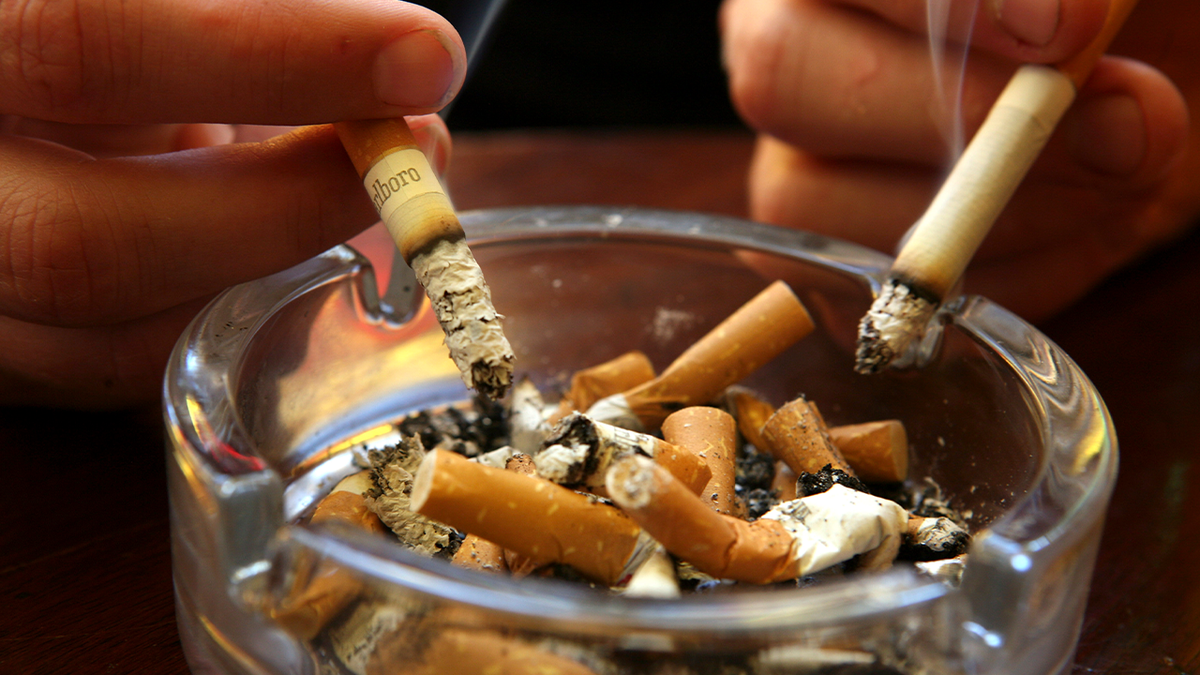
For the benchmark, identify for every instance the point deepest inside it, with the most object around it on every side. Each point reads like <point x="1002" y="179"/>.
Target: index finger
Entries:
<point x="236" y="61"/>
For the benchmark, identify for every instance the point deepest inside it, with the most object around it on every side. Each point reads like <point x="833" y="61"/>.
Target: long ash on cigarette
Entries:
<point x="688" y="500"/>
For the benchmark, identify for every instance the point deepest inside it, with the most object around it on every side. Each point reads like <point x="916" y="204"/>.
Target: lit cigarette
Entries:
<point x="534" y="517"/>
<point x="611" y="377"/>
<point x="878" y="451"/>
<point x="419" y="650"/>
<point x="414" y="207"/>
<point x="797" y="436"/>
<point x="757" y="332"/>
<point x="710" y="433"/>
<point x="794" y="539"/>
<point x="580" y="450"/>
<point x="324" y="592"/>
<point x="943" y="241"/>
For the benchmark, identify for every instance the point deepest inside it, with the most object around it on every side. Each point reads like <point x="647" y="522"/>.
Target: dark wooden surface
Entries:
<point x="85" y="580"/>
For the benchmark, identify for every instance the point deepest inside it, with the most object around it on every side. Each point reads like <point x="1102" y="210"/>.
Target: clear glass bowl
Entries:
<point x="269" y="386"/>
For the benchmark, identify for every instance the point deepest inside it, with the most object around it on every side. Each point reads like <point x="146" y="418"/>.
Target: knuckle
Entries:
<point x="46" y="57"/>
<point x="57" y="270"/>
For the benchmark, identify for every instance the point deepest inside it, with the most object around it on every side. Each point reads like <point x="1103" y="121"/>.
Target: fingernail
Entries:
<point x="1031" y="21"/>
<point x="1107" y="134"/>
<point x="421" y="69"/>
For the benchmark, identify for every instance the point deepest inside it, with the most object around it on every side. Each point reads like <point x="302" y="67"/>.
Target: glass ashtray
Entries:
<point x="274" y="385"/>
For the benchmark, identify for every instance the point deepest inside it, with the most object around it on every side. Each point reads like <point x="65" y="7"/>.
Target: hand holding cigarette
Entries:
<point x="417" y="213"/>
<point x="978" y="188"/>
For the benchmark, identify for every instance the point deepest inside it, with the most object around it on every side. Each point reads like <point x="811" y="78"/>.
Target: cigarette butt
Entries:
<point x="757" y="332"/>
<point x="710" y="433"/>
<point x="611" y="377"/>
<point x="579" y="451"/>
<point x="528" y="425"/>
<point x="878" y="451"/>
<point x="656" y="577"/>
<point x="751" y="413"/>
<point x="520" y="566"/>
<point x="797" y="435"/>
<point x="418" y="214"/>
<point x="477" y="553"/>
<point x="531" y="516"/>
<point x="414" y="651"/>
<point x="933" y="538"/>
<point x="784" y="482"/>
<point x="722" y="546"/>
<point x="320" y="594"/>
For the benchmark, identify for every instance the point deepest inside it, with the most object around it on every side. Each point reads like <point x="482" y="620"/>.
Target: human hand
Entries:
<point x="853" y="144"/>
<point x="124" y="204"/>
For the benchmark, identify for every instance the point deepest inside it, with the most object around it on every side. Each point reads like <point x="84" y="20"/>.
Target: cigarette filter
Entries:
<point x="797" y="435"/>
<point x="534" y="517"/>
<point x="580" y="450"/>
<point x="459" y="651"/>
<point x="751" y="412"/>
<point x="757" y="332"/>
<point x="711" y="434"/>
<point x="528" y="423"/>
<point x="414" y="207"/>
<point x="878" y="451"/>
<point x="656" y="577"/>
<point x="477" y="553"/>
<point x="320" y="594"/>
<point x="722" y="546"/>
<point x="611" y="377"/>
<point x="784" y="482"/>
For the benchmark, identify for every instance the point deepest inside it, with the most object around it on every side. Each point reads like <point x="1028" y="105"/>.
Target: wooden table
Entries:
<point x="85" y="584"/>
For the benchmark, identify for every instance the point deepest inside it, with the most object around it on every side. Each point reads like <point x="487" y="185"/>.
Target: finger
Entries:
<point x="1029" y="31"/>
<point x="124" y="140"/>
<point x="245" y="61"/>
<point x="110" y="367"/>
<point x="843" y="84"/>
<point x="106" y="240"/>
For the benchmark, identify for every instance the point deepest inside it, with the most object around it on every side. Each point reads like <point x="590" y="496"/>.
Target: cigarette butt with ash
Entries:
<point x="710" y="433"/>
<point x="611" y="377"/>
<point x="580" y="450"/>
<point x="534" y="517"/>
<point x="934" y="538"/>
<point x="877" y="450"/>
<point x="528" y="421"/>
<point x="755" y="333"/>
<point x="321" y="593"/>
<point x="796" y="434"/>
<point x="418" y="214"/>
<point x="389" y="497"/>
<point x="417" y="650"/>
<point x="794" y="539"/>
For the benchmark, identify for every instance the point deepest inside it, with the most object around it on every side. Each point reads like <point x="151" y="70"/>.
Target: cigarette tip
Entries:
<point x="896" y="321"/>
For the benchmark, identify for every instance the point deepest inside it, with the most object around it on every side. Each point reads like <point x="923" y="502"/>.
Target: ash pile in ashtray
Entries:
<point x="638" y="483"/>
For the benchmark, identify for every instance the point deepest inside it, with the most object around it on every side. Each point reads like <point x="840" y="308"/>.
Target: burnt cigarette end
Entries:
<point x="897" y="319"/>
<point x="815" y="483"/>
<point x="933" y="539"/>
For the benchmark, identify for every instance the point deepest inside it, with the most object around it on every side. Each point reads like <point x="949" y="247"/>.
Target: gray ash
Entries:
<point x="758" y="501"/>
<point x="755" y="469"/>
<point x="469" y="431"/>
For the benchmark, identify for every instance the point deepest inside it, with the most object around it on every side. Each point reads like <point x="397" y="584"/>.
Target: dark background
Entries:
<point x="582" y="63"/>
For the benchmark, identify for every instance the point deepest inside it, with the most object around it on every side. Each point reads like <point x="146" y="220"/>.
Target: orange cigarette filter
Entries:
<point x="536" y="518"/>
<point x="458" y="651"/>
<point x="877" y="450"/>
<point x="784" y="482"/>
<point x="709" y="433"/>
<point x="611" y="377"/>
<point x="797" y="436"/>
<point x="477" y="553"/>
<point x="323" y="591"/>
<point x="751" y="413"/>
<point x="721" y="546"/>
<point x="757" y="332"/>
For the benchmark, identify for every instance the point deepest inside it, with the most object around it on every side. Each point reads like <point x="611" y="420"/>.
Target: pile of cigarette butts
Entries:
<point x="635" y="482"/>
